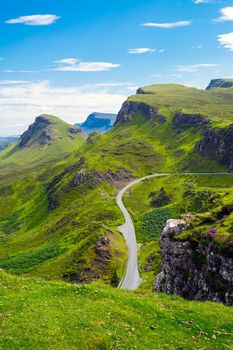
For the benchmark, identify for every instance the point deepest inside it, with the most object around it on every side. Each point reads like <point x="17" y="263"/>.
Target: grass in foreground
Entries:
<point x="40" y="315"/>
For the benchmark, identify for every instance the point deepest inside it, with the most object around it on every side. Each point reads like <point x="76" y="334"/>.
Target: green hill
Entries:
<point x="59" y="220"/>
<point x="47" y="138"/>
<point x="43" y="315"/>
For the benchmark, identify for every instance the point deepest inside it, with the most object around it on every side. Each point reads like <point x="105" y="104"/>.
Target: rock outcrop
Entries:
<point x="185" y="120"/>
<point x="92" y="178"/>
<point x="140" y="91"/>
<point x="217" y="144"/>
<point x="220" y="83"/>
<point x="130" y="108"/>
<point x="194" y="270"/>
<point x="37" y="132"/>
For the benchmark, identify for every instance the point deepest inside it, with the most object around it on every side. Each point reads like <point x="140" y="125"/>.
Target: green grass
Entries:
<point x="63" y="142"/>
<point x="171" y="98"/>
<point x="41" y="315"/>
<point x="31" y="180"/>
<point x="198" y="198"/>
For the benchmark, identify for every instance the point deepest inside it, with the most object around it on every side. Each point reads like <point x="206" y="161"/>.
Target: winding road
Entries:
<point x="132" y="280"/>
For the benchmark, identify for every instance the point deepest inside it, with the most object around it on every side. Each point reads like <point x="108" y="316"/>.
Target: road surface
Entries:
<point x="132" y="279"/>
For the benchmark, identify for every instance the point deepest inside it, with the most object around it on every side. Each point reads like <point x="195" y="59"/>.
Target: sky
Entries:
<point x="70" y="57"/>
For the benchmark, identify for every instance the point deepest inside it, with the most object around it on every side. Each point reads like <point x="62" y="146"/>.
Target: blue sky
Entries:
<point x="71" y="57"/>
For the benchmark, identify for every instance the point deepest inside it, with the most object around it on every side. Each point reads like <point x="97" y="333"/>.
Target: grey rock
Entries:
<point x="194" y="270"/>
<point x="217" y="144"/>
<point x="130" y="108"/>
<point x="185" y="120"/>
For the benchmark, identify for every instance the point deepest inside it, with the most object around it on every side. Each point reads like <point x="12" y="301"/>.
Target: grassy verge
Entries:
<point x="41" y="315"/>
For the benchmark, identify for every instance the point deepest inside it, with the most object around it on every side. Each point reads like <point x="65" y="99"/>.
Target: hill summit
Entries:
<point x="44" y="131"/>
<point x="47" y="138"/>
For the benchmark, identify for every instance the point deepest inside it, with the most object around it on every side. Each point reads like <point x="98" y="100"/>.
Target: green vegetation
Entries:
<point x="46" y="142"/>
<point x="41" y="315"/>
<point x="59" y="218"/>
<point x="40" y="207"/>
<point x="215" y="104"/>
<point x="204" y="200"/>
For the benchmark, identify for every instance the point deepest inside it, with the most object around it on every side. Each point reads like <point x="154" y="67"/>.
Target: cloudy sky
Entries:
<point x="73" y="57"/>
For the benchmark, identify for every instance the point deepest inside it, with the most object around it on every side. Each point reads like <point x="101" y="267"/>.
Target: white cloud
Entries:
<point x="141" y="50"/>
<point x="76" y="65"/>
<point x="194" y="67"/>
<point x="168" y="25"/>
<point x="34" y="20"/>
<point x="226" y="14"/>
<point x="226" y="40"/>
<point x="13" y="82"/>
<point x="69" y="61"/>
<point x="20" y="104"/>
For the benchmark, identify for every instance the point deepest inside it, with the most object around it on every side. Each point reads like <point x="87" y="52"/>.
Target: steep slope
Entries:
<point x="59" y="220"/>
<point x="98" y="122"/>
<point x="47" y="138"/>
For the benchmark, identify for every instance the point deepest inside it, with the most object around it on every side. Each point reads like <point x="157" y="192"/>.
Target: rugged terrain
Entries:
<point x="58" y="211"/>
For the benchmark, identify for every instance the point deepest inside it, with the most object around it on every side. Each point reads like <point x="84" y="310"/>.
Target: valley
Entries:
<point x="63" y="199"/>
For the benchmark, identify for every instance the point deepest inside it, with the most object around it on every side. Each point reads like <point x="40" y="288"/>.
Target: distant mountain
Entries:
<point x="6" y="141"/>
<point x="47" y="138"/>
<point x="220" y="83"/>
<point x="100" y="122"/>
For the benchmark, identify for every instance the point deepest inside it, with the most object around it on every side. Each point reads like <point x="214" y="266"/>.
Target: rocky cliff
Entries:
<point x="130" y="108"/>
<point x="38" y="132"/>
<point x="185" y="120"/>
<point x="194" y="270"/>
<point x="217" y="144"/>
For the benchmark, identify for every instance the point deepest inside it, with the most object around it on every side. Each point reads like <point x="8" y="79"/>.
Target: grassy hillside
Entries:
<point x="203" y="200"/>
<point x="59" y="220"/>
<point x="36" y="314"/>
<point x="47" y="139"/>
<point x="215" y="104"/>
<point x="50" y="228"/>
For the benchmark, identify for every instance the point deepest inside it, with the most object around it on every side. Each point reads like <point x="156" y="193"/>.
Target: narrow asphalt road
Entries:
<point x="132" y="278"/>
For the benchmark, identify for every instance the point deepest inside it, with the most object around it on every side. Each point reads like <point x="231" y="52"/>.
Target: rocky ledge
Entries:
<point x="39" y="131"/>
<point x="130" y="108"/>
<point x="194" y="270"/>
<point x="185" y="120"/>
<point x="217" y="144"/>
<point x="93" y="178"/>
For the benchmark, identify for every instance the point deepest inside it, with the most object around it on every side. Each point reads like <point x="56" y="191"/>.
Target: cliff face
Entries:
<point x="185" y="120"/>
<point x="220" y="83"/>
<point x="217" y="144"/>
<point x="129" y="109"/>
<point x="37" y="132"/>
<point x="193" y="270"/>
